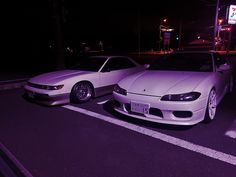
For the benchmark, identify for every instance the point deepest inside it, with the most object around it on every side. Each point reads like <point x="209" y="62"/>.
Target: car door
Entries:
<point x="115" y="69"/>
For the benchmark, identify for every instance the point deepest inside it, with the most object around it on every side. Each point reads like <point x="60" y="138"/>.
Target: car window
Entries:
<point x="118" y="63"/>
<point x="200" y="62"/>
<point x="219" y="60"/>
<point x="90" y="64"/>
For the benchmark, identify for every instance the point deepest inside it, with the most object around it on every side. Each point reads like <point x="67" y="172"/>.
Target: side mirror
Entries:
<point x="223" y="67"/>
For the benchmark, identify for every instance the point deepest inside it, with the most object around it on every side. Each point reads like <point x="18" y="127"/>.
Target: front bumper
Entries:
<point x="167" y="112"/>
<point x="45" y="98"/>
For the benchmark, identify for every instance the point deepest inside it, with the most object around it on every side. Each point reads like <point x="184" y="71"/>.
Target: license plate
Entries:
<point x="140" y="108"/>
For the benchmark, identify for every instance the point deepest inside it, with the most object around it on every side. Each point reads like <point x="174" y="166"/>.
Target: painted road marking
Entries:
<point x="22" y="169"/>
<point x="160" y="136"/>
<point x="103" y="102"/>
<point x="231" y="131"/>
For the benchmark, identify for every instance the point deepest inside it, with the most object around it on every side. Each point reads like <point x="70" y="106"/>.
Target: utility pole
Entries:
<point x="139" y="31"/>
<point x="216" y="25"/>
<point x="229" y="40"/>
<point x="160" y="38"/>
<point x="180" y="34"/>
<point x="57" y="25"/>
<point x="160" y="34"/>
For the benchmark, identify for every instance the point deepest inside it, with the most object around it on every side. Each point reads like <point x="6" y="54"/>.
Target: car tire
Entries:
<point x="211" y="107"/>
<point x="81" y="92"/>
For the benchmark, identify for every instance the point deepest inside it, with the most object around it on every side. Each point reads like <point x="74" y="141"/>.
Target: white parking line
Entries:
<point x="231" y="131"/>
<point x="103" y="102"/>
<point x="160" y="136"/>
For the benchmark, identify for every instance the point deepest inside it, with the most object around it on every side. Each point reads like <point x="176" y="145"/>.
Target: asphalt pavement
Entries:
<point x="11" y="80"/>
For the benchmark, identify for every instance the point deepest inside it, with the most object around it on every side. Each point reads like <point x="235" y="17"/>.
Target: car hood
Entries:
<point x="57" y="76"/>
<point x="158" y="83"/>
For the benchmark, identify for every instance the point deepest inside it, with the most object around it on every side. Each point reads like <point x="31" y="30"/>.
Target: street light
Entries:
<point x="220" y="21"/>
<point x="166" y="37"/>
<point x="160" y="29"/>
<point x="219" y="26"/>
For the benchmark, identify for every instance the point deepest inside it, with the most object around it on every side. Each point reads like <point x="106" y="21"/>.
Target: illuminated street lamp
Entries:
<point x="220" y="21"/>
<point x="160" y="30"/>
<point x="166" y="29"/>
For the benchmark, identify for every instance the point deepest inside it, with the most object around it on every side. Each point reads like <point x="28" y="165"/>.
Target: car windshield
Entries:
<point x="89" y="64"/>
<point x="200" y="62"/>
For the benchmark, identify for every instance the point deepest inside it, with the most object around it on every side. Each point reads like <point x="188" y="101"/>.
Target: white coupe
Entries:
<point x="182" y="88"/>
<point x="92" y="77"/>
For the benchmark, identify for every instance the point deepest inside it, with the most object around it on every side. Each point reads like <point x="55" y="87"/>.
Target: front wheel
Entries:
<point x="211" y="107"/>
<point x="81" y="92"/>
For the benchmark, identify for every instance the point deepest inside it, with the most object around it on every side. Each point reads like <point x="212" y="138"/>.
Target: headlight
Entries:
<point x="50" y="87"/>
<point x="120" y="90"/>
<point x="181" y="97"/>
<point x="57" y="87"/>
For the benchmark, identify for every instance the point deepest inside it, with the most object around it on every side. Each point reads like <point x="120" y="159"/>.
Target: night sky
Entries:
<point x="30" y="26"/>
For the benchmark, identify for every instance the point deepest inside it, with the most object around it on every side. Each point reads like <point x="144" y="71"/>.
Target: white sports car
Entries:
<point x="182" y="88"/>
<point x="92" y="77"/>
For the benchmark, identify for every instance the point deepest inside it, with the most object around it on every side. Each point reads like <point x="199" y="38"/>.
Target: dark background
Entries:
<point x="36" y="33"/>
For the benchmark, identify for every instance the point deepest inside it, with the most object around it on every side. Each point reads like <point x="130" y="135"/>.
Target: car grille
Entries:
<point x="116" y="103"/>
<point x="37" y="96"/>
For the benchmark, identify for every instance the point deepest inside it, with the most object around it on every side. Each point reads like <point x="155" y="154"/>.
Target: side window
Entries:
<point x="126" y="63"/>
<point x="118" y="63"/>
<point x="111" y="65"/>
<point x="219" y="60"/>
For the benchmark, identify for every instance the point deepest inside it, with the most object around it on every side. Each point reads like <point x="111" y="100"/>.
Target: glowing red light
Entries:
<point x="220" y="21"/>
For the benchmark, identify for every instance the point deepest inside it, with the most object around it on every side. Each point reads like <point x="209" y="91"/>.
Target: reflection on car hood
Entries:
<point x="56" y="76"/>
<point x="158" y="83"/>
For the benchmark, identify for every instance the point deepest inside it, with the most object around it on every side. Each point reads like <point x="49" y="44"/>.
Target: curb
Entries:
<point x="12" y="166"/>
<point x="13" y="84"/>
